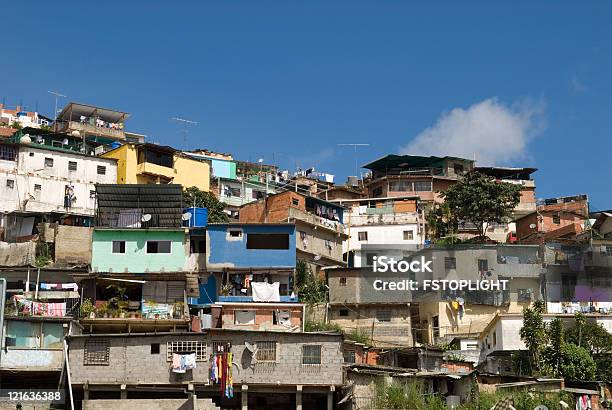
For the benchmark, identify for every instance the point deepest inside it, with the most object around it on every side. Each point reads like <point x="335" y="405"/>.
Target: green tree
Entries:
<point x="440" y="221"/>
<point x="593" y="336"/>
<point x="481" y="200"/>
<point x="193" y="196"/>
<point x="533" y="333"/>
<point x="553" y="354"/>
<point x="577" y="363"/>
<point x="310" y="288"/>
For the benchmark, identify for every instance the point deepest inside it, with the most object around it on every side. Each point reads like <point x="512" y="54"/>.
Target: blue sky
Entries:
<point x="514" y="83"/>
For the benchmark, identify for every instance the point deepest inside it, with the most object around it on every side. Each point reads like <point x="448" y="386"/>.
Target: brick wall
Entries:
<point x="72" y="245"/>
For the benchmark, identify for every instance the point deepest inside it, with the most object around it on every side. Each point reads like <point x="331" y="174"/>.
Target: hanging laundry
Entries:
<point x="266" y="292"/>
<point x="176" y="364"/>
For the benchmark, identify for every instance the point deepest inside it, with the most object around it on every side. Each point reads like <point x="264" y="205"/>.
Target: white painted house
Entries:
<point x="39" y="182"/>
<point x="381" y="226"/>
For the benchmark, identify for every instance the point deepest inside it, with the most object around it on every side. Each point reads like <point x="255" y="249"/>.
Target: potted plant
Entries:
<point x="87" y="308"/>
<point x="103" y="310"/>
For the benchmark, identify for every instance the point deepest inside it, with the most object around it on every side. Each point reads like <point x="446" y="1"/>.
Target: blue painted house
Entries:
<point x="250" y="246"/>
<point x="245" y="258"/>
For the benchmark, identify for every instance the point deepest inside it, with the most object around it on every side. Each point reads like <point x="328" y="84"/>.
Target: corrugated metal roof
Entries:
<point x="162" y="200"/>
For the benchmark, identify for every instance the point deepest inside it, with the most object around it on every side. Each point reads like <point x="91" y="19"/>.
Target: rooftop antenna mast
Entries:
<point x="186" y="123"/>
<point x="357" y="174"/>
<point x="57" y="95"/>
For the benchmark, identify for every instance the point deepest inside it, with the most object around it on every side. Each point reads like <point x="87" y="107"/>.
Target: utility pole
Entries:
<point x="355" y="153"/>
<point x="57" y="95"/>
<point x="185" y="122"/>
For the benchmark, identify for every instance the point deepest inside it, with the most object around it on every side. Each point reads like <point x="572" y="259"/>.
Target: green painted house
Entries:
<point x="126" y="250"/>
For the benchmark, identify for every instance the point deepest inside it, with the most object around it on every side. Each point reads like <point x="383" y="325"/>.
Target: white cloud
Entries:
<point x="494" y="133"/>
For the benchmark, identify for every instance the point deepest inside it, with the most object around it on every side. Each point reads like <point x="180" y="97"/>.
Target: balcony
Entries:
<point x="85" y="128"/>
<point x="328" y="224"/>
<point x="149" y="168"/>
<point x="383" y="218"/>
<point x="248" y="299"/>
<point x="137" y="218"/>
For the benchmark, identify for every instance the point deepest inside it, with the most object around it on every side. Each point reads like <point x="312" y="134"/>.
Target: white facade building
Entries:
<point x="378" y="226"/>
<point x="36" y="180"/>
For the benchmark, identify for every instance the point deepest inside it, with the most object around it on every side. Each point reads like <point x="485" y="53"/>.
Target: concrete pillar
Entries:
<point x="244" y="397"/>
<point x="298" y="398"/>
<point x="330" y="398"/>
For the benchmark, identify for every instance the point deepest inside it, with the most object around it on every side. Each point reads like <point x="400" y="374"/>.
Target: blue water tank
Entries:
<point x="199" y="217"/>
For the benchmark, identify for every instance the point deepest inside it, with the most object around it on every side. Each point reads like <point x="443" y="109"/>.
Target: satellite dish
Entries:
<point x="251" y="347"/>
<point x="146" y="218"/>
<point x="260" y="160"/>
<point x="25" y="139"/>
<point x="186" y="216"/>
<point x="65" y="141"/>
<point x="532" y="226"/>
<point x="317" y="257"/>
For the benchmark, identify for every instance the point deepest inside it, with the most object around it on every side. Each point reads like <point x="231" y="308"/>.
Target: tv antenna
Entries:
<point x="185" y="123"/>
<point x="354" y="145"/>
<point x="57" y="95"/>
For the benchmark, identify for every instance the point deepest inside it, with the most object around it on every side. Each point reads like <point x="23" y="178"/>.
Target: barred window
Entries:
<point x="383" y="315"/>
<point x="97" y="352"/>
<point x="311" y="354"/>
<point x="422" y="186"/>
<point x="266" y="352"/>
<point x="349" y="356"/>
<point x="72" y="166"/>
<point x="216" y="344"/>
<point x="101" y="170"/>
<point x="187" y="347"/>
<point x="450" y="263"/>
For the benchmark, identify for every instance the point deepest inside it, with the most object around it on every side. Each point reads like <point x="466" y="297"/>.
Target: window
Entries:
<point x="255" y="194"/>
<point x="370" y="259"/>
<point x="362" y="236"/>
<point x="458" y="168"/>
<point x="154" y="348"/>
<point x="376" y="192"/>
<point x="101" y="170"/>
<point x="266" y="352"/>
<point x="187" y="347"/>
<point x="244" y="317"/>
<point x="556" y="218"/>
<point x="10" y="183"/>
<point x="471" y="346"/>
<point x="494" y="339"/>
<point x="524" y="295"/>
<point x="267" y="241"/>
<point x="483" y="265"/>
<point x="422" y="185"/>
<point x="343" y="281"/>
<point x="97" y="352"/>
<point x="349" y="356"/>
<point x="450" y="263"/>
<point x="343" y="313"/>
<point x="48" y="162"/>
<point x="234" y="234"/>
<point x="31" y="154"/>
<point x="7" y="153"/>
<point x="92" y="194"/>
<point x="158" y="247"/>
<point x="400" y="186"/>
<point x="118" y="246"/>
<point x="34" y="335"/>
<point x="295" y="201"/>
<point x="608" y="250"/>
<point x="311" y="354"/>
<point x="72" y="166"/>
<point x="408" y="235"/>
<point x="383" y="315"/>
<point x="37" y="187"/>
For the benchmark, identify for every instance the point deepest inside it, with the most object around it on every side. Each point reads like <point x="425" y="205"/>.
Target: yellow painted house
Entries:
<point x="155" y="164"/>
